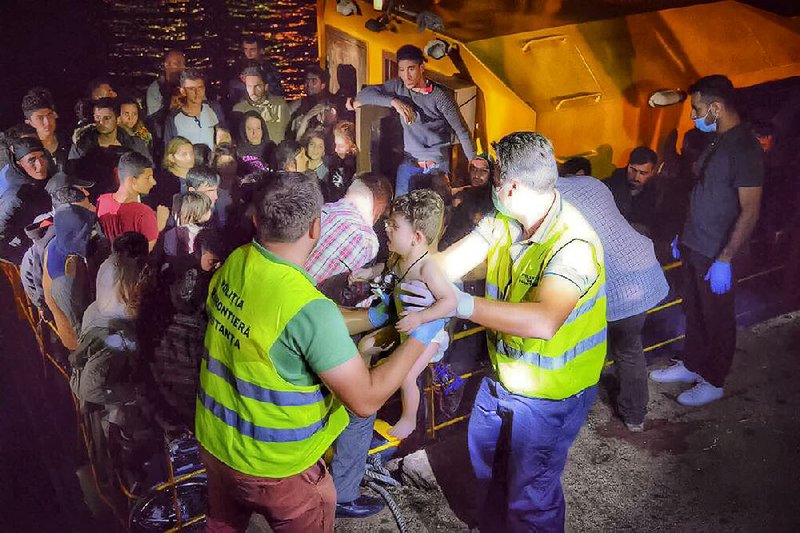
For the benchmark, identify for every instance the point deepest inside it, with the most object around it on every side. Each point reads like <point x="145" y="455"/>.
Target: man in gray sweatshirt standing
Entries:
<point x="428" y="113"/>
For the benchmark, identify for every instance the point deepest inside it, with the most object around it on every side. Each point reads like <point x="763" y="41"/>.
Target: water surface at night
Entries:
<point x="208" y="30"/>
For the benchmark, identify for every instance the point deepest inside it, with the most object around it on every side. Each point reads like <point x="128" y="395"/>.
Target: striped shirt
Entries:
<point x="346" y="243"/>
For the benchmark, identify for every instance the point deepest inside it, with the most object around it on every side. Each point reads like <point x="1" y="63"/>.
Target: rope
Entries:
<point x="393" y="507"/>
<point x="375" y="470"/>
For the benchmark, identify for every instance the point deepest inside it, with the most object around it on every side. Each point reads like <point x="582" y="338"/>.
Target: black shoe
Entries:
<point x="361" y="507"/>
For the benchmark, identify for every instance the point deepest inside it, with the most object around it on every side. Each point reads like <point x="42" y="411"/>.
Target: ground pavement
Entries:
<point x="730" y="466"/>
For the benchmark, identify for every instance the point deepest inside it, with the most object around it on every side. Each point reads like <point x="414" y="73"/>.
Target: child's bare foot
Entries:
<point x="403" y="428"/>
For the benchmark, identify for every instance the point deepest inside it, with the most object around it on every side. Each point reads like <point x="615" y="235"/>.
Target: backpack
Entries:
<point x="104" y="364"/>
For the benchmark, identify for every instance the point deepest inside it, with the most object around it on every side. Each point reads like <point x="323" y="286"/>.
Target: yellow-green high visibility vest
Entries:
<point x="572" y="360"/>
<point x="248" y="416"/>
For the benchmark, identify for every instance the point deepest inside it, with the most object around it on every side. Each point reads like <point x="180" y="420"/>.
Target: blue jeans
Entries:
<point x="518" y="447"/>
<point x="408" y="169"/>
<point x="349" y="462"/>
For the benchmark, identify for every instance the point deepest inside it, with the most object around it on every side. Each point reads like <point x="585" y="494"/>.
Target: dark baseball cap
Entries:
<point x="25" y="145"/>
<point x="62" y="179"/>
<point x="68" y="194"/>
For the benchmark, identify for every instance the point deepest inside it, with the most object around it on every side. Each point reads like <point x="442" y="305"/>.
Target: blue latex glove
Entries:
<point x="720" y="277"/>
<point x="379" y="314"/>
<point x="416" y="296"/>
<point x="426" y="332"/>
<point x="676" y="252"/>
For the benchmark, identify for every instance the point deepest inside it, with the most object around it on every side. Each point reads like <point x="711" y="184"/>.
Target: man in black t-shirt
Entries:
<point x="723" y="211"/>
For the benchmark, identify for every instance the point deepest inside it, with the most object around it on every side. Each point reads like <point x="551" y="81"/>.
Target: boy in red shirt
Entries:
<point x="122" y="211"/>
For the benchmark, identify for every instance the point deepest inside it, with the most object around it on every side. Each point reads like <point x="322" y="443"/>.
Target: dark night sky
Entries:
<point x="55" y="43"/>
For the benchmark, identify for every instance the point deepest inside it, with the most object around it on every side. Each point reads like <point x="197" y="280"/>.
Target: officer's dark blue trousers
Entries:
<point x="518" y="447"/>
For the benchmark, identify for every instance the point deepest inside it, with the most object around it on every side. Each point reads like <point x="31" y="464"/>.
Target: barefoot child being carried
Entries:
<point x="412" y="231"/>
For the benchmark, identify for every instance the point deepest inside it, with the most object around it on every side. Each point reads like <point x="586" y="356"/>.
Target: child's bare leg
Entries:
<point x="376" y="342"/>
<point x="409" y="394"/>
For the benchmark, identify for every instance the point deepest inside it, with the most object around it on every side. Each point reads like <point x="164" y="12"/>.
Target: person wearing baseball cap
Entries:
<point x="25" y="196"/>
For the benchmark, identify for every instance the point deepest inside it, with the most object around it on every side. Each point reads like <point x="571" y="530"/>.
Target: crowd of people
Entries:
<point x="210" y="263"/>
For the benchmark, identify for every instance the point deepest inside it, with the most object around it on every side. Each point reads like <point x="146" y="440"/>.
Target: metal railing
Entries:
<point x="28" y="313"/>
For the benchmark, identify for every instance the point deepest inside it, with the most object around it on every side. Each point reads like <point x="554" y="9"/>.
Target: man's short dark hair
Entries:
<point x="286" y="151"/>
<point x="129" y="100"/>
<point x="252" y="68"/>
<point x="222" y="150"/>
<point x="191" y="73"/>
<point x="131" y="164"/>
<point x="130" y="244"/>
<point x="575" y="165"/>
<point x="641" y="155"/>
<point x="435" y="180"/>
<point x="251" y="38"/>
<point x="714" y="88"/>
<point x="409" y="52"/>
<point x="285" y="207"/>
<point x="106" y="103"/>
<point x="528" y="157"/>
<point x="68" y="194"/>
<point x="96" y="83"/>
<point x="83" y="111"/>
<point x="18" y="131"/>
<point x="209" y="240"/>
<point x="172" y="51"/>
<point x="202" y="154"/>
<point x="315" y="70"/>
<point x="202" y="176"/>
<point x="37" y="98"/>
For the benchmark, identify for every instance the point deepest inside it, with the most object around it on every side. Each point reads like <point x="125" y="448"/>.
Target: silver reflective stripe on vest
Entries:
<point x="492" y="291"/>
<point x="262" y="394"/>
<point x="552" y="363"/>
<point x="586" y="306"/>
<point x="259" y="433"/>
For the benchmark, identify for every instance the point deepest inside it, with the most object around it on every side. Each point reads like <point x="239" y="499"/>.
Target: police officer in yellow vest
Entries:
<point x="545" y="316"/>
<point x="279" y="370"/>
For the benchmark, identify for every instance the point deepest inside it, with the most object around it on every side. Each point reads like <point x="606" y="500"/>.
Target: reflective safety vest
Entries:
<point x="572" y="360"/>
<point x="248" y="416"/>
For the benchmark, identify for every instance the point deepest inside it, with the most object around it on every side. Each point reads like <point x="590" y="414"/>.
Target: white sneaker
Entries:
<point x="676" y="373"/>
<point x="701" y="394"/>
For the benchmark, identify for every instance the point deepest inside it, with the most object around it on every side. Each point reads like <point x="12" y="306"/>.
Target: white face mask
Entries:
<point x="503" y="210"/>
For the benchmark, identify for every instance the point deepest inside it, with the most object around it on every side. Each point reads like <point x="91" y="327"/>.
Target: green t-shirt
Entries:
<point x="315" y="340"/>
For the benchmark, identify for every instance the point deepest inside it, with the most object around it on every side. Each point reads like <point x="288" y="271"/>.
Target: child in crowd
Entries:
<point x="202" y="154"/>
<point x="314" y="143"/>
<point x="412" y="230"/>
<point x="341" y="163"/>
<point x="193" y="211"/>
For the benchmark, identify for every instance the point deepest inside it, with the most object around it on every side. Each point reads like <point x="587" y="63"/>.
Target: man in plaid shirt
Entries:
<point x="347" y="240"/>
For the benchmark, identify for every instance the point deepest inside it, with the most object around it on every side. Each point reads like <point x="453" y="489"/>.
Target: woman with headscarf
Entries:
<point x="253" y="143"/>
